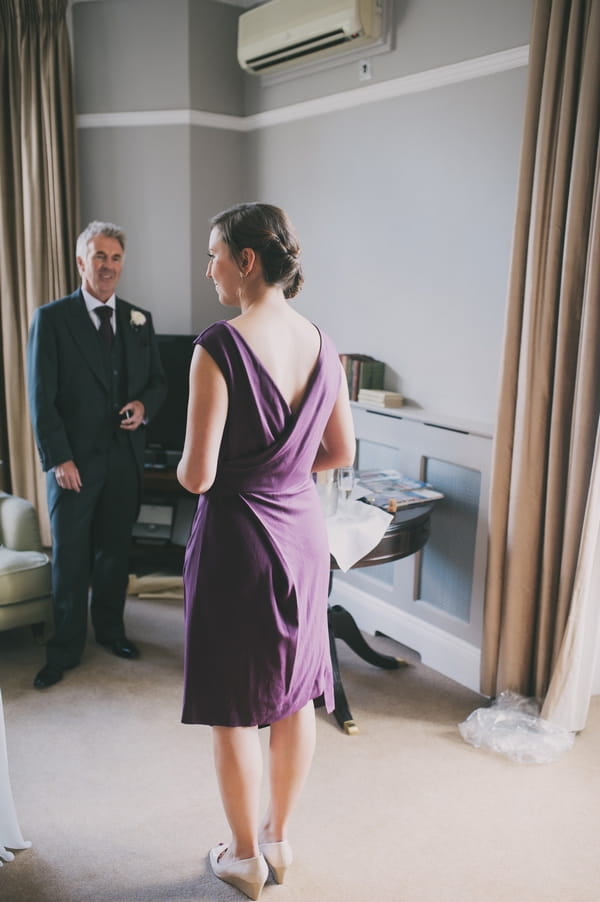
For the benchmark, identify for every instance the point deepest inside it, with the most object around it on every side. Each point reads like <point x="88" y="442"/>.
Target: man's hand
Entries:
<point x="133" y="415"/>
<point x="67" y="476"/>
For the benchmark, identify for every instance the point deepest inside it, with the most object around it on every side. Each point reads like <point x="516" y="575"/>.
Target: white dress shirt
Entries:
<point x="91" y="303"/>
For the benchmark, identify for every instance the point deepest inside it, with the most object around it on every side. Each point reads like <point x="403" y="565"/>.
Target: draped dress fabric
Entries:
<point x="256" y="570"/>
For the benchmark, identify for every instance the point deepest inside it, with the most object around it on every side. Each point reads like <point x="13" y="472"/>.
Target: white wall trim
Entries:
<point x="455" y="658"/>
<point x="479" y="67"/>
<point x="161" y="117"/>
<point x="395" y="87"/>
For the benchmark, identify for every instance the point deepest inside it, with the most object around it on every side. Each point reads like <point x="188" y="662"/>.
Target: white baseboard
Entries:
<point x="455" y="658"/>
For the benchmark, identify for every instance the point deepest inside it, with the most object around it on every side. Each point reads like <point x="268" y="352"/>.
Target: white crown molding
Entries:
<point x="479" y="67"/>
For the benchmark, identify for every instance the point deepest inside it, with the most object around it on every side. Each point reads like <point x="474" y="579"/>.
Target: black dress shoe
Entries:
<point x="47" y="676"/>
<point x="123" y="648"/>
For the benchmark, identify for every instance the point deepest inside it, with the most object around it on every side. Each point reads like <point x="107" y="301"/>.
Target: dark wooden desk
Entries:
<point x="148" y="555"/>
<point x="407" y="533"/>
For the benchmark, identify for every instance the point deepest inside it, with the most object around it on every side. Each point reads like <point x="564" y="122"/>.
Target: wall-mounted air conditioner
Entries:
<point x="283" y="33"/>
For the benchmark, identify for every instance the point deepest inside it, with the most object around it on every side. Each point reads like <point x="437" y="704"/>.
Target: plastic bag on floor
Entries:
<point x="512" y="726"/>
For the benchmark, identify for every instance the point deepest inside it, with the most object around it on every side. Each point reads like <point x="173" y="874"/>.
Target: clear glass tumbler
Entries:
<point x="345" y="483"/>
<point x="328" y="491"/>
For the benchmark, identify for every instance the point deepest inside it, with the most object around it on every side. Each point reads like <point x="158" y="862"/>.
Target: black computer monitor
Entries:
<point x="165" y="433"/>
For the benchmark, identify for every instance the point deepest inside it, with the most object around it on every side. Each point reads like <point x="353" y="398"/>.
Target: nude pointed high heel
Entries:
<point x="279" y="857"/>
<point x="247" y="874"/>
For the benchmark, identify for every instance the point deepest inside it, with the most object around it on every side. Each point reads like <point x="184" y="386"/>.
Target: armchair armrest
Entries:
<point x="19" y="527"/>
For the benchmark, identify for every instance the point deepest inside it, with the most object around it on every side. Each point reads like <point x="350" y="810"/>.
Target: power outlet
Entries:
<point x="364" y="70"/>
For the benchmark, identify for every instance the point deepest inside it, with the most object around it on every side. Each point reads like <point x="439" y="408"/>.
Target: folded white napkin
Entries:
<point x="354" y="530"/>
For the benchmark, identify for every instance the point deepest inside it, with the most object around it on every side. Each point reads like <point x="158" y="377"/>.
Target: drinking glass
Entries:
<point x="328" y="491"/>
<point x="345" y="482"/>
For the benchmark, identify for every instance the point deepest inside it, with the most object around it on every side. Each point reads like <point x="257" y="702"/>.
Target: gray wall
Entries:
<point x="216" y="81"/>
<point x="131" y="55"/>
<point x="139" y="178"/>
<point x="427" y="33"/>
<point x="161" y="182"/>
<point x="406" y="233"/>
<point x="217" y="179"/>
<point x="404" y="206"/>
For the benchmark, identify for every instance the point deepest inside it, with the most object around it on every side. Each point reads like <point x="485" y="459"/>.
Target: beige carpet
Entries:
<point x="120" y="803"/>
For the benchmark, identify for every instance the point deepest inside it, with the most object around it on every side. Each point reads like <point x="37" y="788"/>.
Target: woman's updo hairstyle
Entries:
<point x="268" y="231"/>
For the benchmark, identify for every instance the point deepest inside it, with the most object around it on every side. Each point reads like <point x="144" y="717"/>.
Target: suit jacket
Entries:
<point x="69" y="385"/>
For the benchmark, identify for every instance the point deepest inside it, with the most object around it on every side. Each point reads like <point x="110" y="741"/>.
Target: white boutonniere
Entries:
<point x="136" y="319"/>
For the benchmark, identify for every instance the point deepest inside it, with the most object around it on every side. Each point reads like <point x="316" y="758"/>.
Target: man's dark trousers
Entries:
<point x="99" y="517"/>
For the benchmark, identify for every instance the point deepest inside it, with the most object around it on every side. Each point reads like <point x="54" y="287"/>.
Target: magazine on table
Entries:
<point x="389" y="486"/>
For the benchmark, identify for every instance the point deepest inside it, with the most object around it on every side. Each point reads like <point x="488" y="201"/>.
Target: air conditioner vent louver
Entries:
<point x="282" y="33"/>
<point x="298" y="50"/>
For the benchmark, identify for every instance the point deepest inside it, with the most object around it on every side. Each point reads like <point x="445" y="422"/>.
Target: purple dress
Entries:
<point x="256" y="570"/>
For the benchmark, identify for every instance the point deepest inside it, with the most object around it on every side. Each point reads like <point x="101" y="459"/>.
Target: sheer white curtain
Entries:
<point x="10" y="833"/>
<point x="568" y="699"/>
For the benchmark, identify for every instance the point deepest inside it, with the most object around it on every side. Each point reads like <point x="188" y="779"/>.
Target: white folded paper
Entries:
<point x="354" y="530"/>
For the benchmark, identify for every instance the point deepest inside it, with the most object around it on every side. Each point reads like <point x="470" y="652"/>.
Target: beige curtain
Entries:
<point x="38" y="204"/>
<point x="550" y="386"/>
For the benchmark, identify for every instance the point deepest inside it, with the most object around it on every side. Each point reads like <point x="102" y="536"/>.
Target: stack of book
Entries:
<point x="379" y="398"/>
<point x="362" y="371"/>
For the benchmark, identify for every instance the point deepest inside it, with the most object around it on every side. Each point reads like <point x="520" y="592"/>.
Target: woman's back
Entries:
<point x="286" y="344"/>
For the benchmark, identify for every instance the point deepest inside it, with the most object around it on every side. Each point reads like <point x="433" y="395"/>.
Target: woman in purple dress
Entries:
<point x="268" y="407"/>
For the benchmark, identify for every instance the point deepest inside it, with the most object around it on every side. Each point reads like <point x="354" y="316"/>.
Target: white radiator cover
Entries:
<point x="444" y="628"/>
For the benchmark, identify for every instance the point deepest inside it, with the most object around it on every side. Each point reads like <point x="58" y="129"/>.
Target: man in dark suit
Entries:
<point x="94" y="379"/>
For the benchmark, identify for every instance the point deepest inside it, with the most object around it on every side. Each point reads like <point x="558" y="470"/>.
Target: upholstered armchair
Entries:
<point x="25" y="569"/>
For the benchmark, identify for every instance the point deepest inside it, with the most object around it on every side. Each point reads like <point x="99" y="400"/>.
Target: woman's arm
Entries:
<point x="338" y="445"/>
<point x="206" y="415"/>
